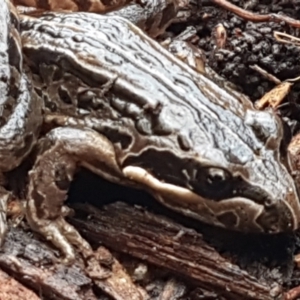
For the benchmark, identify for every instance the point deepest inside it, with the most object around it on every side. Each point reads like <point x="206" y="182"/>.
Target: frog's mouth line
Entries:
<point x="236" y="213"/>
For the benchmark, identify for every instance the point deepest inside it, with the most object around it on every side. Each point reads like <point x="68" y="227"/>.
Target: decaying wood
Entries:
<point x="32" y="263"/>
<point x="118" y="284"/>
<point x="164" y="243"/>
<point x="274" y="97"/>
<point x="153" y="239"/>
<point x="11" y="289"/>
<point x="35" y="264"/>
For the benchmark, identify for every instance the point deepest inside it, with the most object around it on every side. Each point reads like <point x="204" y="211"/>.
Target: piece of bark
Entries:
<point x="119" y="284"/>
<point x="164" y="243"/>
<point x="33" y="263"/>
<point x="10" y="289"/>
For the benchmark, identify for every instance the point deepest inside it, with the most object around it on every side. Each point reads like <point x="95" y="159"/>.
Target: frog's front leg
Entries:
<point x="61" y="152"/>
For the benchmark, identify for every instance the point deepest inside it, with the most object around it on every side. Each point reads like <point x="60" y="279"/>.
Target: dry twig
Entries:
<point x="265" y="74"/>
<point x="253" y="17"/>
<point x="285" y="38"/>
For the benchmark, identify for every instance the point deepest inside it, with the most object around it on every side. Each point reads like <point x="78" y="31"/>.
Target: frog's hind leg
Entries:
<point x="61" y="152"/>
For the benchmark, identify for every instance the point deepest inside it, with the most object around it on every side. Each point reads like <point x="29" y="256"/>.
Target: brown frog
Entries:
<point x="128" y="110"/>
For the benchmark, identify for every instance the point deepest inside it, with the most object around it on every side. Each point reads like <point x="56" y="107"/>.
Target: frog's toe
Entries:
<point x="74" y="238"/>
<point x="60" y="153"/>
<point x="61" y="234"/>
<point x="52" y="231"/>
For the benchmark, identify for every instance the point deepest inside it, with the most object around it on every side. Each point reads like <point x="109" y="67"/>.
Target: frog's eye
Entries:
<point x="216" y="177"/>
<point x="214" y="183"/>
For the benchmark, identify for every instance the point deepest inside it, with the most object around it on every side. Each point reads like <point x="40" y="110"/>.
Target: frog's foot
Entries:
<point x="60" y="153"/>
<point x="59" y="233"/>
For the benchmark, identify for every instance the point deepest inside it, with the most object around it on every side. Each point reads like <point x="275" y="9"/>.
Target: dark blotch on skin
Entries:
<point x="106" y="2"/>
<point x="58" y="74"/>
<point x="183" y="142"/>
<point x="273" y="220"/>
<point x="115" y="136"/>
<point x="14" y="54"/>
<point x="38" y="201"/>
<point x="28" y="142"/>
<point x="228" y="219"/>
<point x="61" y="178"/>
<point x="160" y="127"/>
<point x="64" y="95"/>
<point x="44" y="4"/>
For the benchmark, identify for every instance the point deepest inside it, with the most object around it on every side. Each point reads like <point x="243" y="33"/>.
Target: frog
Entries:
<point x="122" y="106"/>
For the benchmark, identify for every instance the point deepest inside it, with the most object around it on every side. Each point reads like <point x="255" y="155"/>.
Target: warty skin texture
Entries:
<point x="134" y="114"/>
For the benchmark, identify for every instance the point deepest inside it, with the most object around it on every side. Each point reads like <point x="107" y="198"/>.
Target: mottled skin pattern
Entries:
<point x="97" y="6"/>
<point x="131" y="112"/>
<point x="20" y="108"/>
<point x="163" y="127"/>
<point x="153" y="16"/>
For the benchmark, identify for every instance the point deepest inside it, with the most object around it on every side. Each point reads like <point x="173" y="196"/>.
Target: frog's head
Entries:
<point x="232" y="176"/>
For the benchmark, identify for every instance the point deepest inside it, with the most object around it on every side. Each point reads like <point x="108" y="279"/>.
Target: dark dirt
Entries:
<point x="248" y="44"/>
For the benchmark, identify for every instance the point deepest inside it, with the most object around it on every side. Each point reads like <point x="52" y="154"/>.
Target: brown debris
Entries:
<point x="32" y="263"/>
<point x="119" y="285"/>
<point x="11" y="289"/>
<point x="35" y="265"/>
<point x="253" y="17"/>
<point x="283" y="37"/>
<point x="274" y="97"/>
<point x="147" y="237"/>
<point x="220" y="36"/>
<point x="265" y="74"/>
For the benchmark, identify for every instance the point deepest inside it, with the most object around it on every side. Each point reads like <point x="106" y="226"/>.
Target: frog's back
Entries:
<point x="164" y="117"/>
